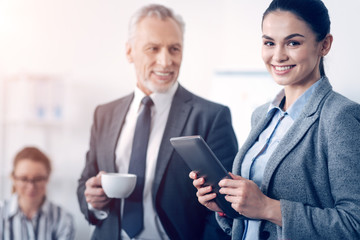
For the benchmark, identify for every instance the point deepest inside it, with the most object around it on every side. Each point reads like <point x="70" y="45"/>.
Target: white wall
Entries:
<point x="343" y="62"/>
<point x="82" y="42"/>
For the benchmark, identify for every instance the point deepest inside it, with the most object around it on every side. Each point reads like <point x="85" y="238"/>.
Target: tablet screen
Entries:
<point x="201" y="159"/>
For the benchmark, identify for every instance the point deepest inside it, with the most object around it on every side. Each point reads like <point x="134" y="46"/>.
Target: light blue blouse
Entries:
<point x="257" y="156"/>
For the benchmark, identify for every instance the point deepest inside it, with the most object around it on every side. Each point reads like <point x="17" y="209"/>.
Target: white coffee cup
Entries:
<point x="118" y="185"/>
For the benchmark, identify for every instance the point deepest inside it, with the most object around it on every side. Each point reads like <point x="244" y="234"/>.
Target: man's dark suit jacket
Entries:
<point x="181" y="215"/>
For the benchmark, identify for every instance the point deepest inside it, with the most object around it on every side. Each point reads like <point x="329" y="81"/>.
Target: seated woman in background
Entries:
<point x="28" y="214"/>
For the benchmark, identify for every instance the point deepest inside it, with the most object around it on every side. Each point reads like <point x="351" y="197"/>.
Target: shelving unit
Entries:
<point x="2" y="133"/>
<point x="31" y="110"/>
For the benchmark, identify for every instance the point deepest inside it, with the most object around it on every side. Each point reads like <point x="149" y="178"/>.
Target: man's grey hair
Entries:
<point x="153" y="10"/>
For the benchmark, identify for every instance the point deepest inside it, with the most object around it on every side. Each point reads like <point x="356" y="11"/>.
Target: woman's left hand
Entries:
<point x="247" y="199"/>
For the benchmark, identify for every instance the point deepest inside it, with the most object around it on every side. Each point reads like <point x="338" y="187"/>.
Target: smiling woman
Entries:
<point x="288" y="178"/>
<point x="28" y="214"/>
<point x="83" y="43"/>
<point x="292" y="53"/>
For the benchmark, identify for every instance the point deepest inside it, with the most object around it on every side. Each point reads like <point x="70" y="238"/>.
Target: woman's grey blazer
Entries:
<point x="314" y="172"/>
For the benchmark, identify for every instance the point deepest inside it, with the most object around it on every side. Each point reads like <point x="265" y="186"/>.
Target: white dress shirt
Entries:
<point x="153" y="228"/>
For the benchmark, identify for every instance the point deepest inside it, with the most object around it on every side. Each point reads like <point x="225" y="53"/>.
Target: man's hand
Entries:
<point x="94" y="193"/>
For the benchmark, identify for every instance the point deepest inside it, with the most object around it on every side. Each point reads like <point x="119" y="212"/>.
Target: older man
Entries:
<point x="163" y="204"/>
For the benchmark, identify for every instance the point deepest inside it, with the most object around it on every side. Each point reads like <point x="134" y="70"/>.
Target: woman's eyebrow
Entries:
<point x="286" y="38"/>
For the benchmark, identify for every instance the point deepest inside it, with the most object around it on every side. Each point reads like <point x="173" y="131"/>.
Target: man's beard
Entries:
<point x="157" y="89"/>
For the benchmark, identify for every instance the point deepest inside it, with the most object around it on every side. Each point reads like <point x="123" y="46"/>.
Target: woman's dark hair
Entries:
<point x="313" y="12"/>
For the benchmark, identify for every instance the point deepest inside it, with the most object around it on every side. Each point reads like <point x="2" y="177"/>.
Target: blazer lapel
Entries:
<point x="178" y="115"/>
<point x="287" y="144"/>
<point x="116" y="123"/>
<point x="306" y="119"/>
<point x="253" y="135"/>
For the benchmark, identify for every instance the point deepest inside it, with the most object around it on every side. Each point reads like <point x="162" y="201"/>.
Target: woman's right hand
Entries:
<point x="204" y="193"/>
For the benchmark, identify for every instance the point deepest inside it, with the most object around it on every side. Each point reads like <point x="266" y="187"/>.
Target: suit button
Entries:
<point x="264" y="235"/>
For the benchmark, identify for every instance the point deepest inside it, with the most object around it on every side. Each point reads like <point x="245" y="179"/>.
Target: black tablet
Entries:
<point x="200" y="158"/>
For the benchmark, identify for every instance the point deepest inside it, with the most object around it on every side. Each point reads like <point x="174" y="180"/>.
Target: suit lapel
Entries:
<point x="253" y="135"/>
<point x="306" y="119"/>
<point x="116" y="123"/>
<point x="287" y="144"/>
<point x="178" y="115"/>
